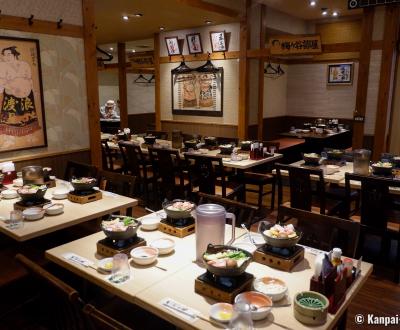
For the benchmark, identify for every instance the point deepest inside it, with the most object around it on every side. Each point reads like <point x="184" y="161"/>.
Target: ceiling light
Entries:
<point x="208" y="22"/>
<point x="111" y="48"/>
<point x="138" y="15"/>
<point x="313" y="3"/>
<point x="162" y="28"/>
<point x="133" y="51"/>
<point x="125" y="17"/>
<point x="324" y="11"/>
<point x="335" y="13"/>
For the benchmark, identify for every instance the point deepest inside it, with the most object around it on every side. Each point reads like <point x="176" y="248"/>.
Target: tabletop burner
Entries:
<point x="84" y="196"/>
<point x="280" y="258"/>
<point x="109" y="247"/>
<point x="83" y="192"/>
<point x="22" y="205"/>
<point x="178" y="227"/>
<point x="222" y="288"/>
<point x="180" y="223"/>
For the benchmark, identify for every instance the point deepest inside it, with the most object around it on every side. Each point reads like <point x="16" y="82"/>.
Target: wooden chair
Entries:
<point x="300" y="184"/>
<point x="135" y="164"/>
<point x="378" y="216"/>
<point x="99" y="321"/>
<point x="322" y="231"/>
<point x="117" y="183"/>
<point x="161" y="135"/>
<point x="60" y="303"/>
<point x="262" y="179"/>
<point x="207" y="175"/>
<point x="245" y="213"/>
<point x="76" y="169"/>
<point x="169" y="171"/>
<point x="110" y="161"/>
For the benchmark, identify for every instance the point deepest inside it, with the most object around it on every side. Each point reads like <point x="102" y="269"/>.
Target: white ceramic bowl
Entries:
<point x="221" y="312"/>
<point x="150" y="222"/>
<point x="9" y="194"/>
<point x="144" y="255"/>
<point x="60" y="193"/>
<point x="164" y="245"/>
<point x="18" y="182"/>
<point x="330" y="169"/>
<point x="261" y="304"/>
<point x="54" y="209"/>
<point x="245" y="246"/>
<point x="105" y="264"/>
<point x="33" y="213"/>
<point x="274" y="288"/>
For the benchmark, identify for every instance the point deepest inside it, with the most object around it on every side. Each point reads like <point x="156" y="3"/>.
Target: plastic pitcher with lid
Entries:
<point x="210" y="227"/>
<point x="361" y="161"/>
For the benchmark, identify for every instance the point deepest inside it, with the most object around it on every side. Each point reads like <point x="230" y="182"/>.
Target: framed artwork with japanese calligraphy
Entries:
<point x="194" y="43"/>
<point x="173" y="46"/>
<point x="340" y="74"/>
<point x="218" y="41"/>
<point x="295" y="44"/>
<point x="22" y="120"/>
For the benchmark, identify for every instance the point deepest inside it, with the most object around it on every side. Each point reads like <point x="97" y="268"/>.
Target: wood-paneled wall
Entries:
<point x="140" y="122"/>
<point x="200" y="128"/>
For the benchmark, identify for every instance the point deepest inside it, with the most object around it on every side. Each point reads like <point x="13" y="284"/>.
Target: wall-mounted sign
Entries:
<point x="295" y="44"/>
<point x="141" y="59"/>
<point x="359" y="119"/>
<point x="355" y="4"/>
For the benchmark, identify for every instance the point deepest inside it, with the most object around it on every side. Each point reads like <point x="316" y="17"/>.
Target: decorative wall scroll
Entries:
<point x="22" y="121"/>
<point x="295" y="44"/>
<point x="197" y="93"/>
<point x="194" y="43"/>
<point x="340" y="74"/>
<point x="173" y="46"/>
<point x="218" y="41"/>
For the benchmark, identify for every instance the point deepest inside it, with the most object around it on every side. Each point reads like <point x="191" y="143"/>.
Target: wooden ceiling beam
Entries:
<point x="157" y="88"/>
<point x="210" y="7"/>
<point x="260" y="115"/>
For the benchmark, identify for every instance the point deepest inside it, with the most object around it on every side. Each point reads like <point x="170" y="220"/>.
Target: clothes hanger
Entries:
<point x="140" y="79"/>
<point x="270" y="70"/>
<point x="153" y="77"/>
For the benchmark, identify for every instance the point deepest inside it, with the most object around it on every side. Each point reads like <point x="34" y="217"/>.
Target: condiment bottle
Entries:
<point x="336" y="257"/>
<point x="252" y="151"/>
<point x="348" y="270"/>
<point x="261" y="151"/>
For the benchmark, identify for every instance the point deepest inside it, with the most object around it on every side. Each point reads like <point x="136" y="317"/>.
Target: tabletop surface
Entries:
<point x="312" y="135"/>
<point x="148" y="285"/>
<point x="73" y="214"/>
<point x="243" y="164"/>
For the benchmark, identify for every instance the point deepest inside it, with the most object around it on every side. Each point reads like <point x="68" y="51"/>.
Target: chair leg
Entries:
<point x="273" y="195"/>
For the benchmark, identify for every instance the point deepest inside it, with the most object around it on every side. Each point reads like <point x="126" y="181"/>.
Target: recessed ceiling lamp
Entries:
<point x="125" y="17"/>
<point x="162" y="28"/>
<point x="111" y="48"/>
<point x="324" y="11"/>
<point x="335" y="13"/>
<point x="313" y="3"/>
<point x="138" y="15"/>
<point x="207" y="21"/>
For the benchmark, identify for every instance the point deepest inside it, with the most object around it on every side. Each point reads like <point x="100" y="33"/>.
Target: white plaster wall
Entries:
<point x="141" y="96"/>
<point x="108" y="86"/>
<point x="275" y="94"/>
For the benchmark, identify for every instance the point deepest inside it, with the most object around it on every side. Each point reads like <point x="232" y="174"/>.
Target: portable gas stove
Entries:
<point x="281" y="258"/>
<point x="22" y="205"/>
<point x="108" y="247"/>
<point x="177" y="227"/>
<point x="222" y="288"/>
<point x="84" y="196"/>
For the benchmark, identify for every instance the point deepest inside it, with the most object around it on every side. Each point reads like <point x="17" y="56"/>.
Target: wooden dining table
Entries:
<point x="243" y="164"/>
<point x="74" y="213"/>
<point x="149" y="286"/>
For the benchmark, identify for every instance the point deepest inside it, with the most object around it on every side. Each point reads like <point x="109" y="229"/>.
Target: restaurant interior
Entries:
<point x="199" y="164"/>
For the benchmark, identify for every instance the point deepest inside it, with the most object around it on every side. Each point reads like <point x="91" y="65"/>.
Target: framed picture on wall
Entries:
<point x="22" y="120"/>
<point x="194" y="43"/>
<point x="172" y="46"/>
<point x="218" y="41"/>
<point x="340" y="74"/>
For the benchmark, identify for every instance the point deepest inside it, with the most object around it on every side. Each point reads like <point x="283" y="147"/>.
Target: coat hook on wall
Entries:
<point x="59" y="23"/>
<point x="30" y="20"/>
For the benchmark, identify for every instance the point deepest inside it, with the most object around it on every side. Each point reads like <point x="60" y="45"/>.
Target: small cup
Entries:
<point x="16" y="220"/>
<point x="120" y="271"/>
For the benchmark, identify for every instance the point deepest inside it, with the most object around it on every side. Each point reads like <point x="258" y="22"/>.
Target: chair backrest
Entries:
<point x="158" y="134"/>
<point x="132" y="158"/>
<point x="76" y="169"/>
<point x="107" y="159"/>
<point x="99" y="321"/>
<point x="376" y="202"/>
<point x="321" y="231"/>
<point x="300" y="184"/>
<point x="203" y="172"/>
<point x="117" y="183"/>
<point x="167" y="165"/>
<point x="244" y="212"/>
<point x="227" y="140"/>
<point x="60" y="303"/>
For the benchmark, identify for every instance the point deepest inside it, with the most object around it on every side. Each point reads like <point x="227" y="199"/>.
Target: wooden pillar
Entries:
<point x="92" y="85"/>
<point x="363" y="73"/>
<point x="391" y="32"/>
<point x="123" y="97"/>
<point x="243" y="116"/>
<point x="263" y="27"/>
<point x="157" y="80"/>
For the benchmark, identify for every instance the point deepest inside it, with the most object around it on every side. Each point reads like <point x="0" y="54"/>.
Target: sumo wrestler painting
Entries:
<point x="22" y="122"/>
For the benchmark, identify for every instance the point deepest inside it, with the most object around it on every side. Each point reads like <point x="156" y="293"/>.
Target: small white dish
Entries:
<point x="150" y="222"/>
<point x="273" y="287"/>
<point x="54" y="209"/>
<point x="61" y="193"/>
<point x="245" y="246"/>
<point x="144" y="255"/>
<point x="260" y="303"/>
<point x="9" y="194"/>
<point x="52" y="177"/>
<point x="33" y="213"/>
<point x="18" y="182"/>
<point x="105" y="264"/>
<point x="221" y="312"/>
<point x="164" y="245"/>
<point x="331" y="169"/>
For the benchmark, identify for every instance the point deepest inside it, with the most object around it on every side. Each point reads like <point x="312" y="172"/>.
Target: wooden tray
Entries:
<point x="176" y="231"/>
<point x="85" y="199"/>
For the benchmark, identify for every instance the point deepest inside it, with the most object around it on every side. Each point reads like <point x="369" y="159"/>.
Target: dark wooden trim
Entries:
<point x="199" y="57"/>
<point x="363" y="73"/>
<point x="92" y="85"/>
<point x="263" y="30"/>
<point x="157" y="87"/>
<point x="122" y="88"/>
<point x="210" y="7"/>
<point x="391" y="33"/>
<point x="196" y="123"/>
<point x="322" y="60"/>
<point x="141" y="122"/>
<point x="46" y="27"/>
